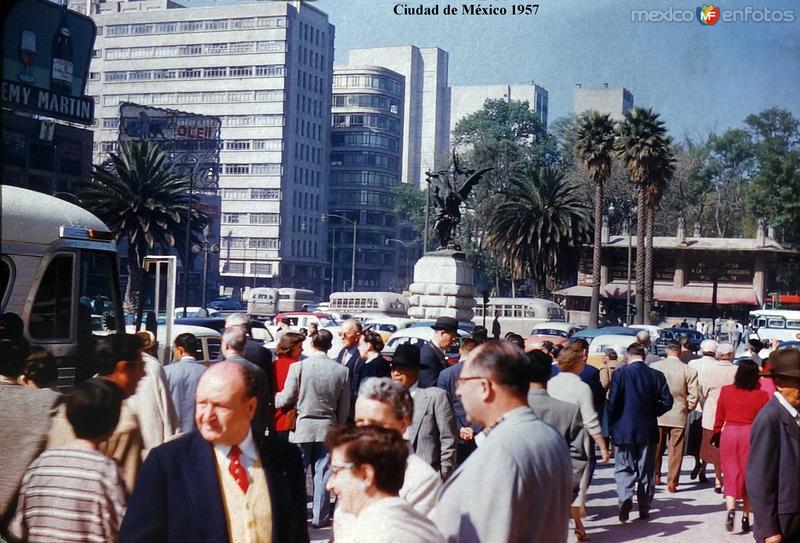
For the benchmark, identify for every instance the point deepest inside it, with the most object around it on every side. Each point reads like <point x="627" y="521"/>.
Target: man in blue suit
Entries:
<point x="773" y="485"/>
<point x="638" y="396"/>
<point x="220" y="483"/>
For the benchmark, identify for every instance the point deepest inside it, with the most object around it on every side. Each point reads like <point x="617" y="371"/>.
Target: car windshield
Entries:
<point x="549" y="332"/>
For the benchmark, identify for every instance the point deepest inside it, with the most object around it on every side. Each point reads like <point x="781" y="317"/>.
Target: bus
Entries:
<point x="387" y="304"/>
<point x="263" y="302"/>
<point x="782" y="324"/>
<point x="58" y="272"/>
<point x="266" y="302"/>
<point x="517" y="315"/>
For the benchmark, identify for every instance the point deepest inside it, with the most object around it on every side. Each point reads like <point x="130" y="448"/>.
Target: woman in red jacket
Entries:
<point x="288" y="351"/>
<point x="738" y="406"/>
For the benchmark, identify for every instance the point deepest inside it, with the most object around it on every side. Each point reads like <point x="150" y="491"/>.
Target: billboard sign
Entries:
<point x="46" y="54"/>
<point x="192" y="141"/>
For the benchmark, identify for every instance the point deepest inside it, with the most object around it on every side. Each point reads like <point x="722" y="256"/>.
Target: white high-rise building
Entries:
<point x="426" y="123"/>
<point x="266" y="69"/>
<point x="465" y="100"/>
<point x="615" y="101"/>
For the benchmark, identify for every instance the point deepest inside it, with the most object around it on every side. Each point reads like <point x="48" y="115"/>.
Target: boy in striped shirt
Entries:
<point x="75" y="493"/>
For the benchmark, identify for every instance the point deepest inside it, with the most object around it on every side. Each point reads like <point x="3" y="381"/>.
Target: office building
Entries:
<point x="266" y="70"/>
<point x="366" y="152"/>
<point x="616" y="101"/>
<point x="426" y="124"/>
<point x="465" y="100"/>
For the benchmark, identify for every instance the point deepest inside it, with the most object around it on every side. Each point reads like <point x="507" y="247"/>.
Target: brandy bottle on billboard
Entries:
<point x="61" y="72"/>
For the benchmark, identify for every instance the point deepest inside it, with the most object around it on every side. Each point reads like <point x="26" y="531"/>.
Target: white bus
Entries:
<point x="58" y="272"/>
<point x="388" y="304"/>
<point x="517" y="315"/>
<point x="293" y="299"/>
<point x="263" y="302"/>
<point x="782" y="324"/>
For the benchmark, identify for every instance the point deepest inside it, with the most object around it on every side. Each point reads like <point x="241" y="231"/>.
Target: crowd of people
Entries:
<point x="499" y="447"/>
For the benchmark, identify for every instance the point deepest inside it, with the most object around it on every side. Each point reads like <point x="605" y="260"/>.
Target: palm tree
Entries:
<point x="640" y="145"/>
<point x="141" y="199"/>
<point x="539" y="226"/>
<point x="653" y="193"/>
<point x="594" y="147"/>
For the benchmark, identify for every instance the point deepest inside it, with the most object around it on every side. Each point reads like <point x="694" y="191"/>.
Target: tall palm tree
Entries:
<point x="142" y="200"/>
<point x="641" y="139"/>
<point x="653" y="193"/>
<point x="540" y="226"/>
<point x="594" y="148"/>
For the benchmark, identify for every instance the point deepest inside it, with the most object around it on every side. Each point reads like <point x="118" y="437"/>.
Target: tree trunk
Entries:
<point x="640" y="235"/>
<point x="648" y="265"/>
<point x="594" y="308"/>
<point x="133" y="290"/>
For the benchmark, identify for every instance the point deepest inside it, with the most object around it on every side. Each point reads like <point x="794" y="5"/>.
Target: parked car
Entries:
<point x="674" y="334"/>
<point x="419" y="335"/>
<point x="590" y="333"/>
<point x="227" y="304"/>
<point x="599" y="344"/>
<point x="301" y="319"/>
<point x="557" y="333"/>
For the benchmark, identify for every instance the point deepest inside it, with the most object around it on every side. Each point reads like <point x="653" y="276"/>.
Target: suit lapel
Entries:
<point x="421" y="402"/>
<point x="201" y="473"/>
<point x="788" y="421"/>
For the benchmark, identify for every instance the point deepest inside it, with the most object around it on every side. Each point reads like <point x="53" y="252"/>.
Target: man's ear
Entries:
<point x="252" y="403"/>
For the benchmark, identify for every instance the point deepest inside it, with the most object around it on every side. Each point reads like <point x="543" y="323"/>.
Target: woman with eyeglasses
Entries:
<point x="367" y="468"/>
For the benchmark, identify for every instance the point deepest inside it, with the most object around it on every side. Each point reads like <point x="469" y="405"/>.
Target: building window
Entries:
<point x="111" y="123"/>
<point x="261" y="269"/>
<point x="233" y="218"/>
<point x="215" y="72"/>
<point x="235" y="267"/>
<point x="265" y="194"/>
<point x="270" y="71"/>
<point x="241" y="71"/>
<point x="237" y="169"/>
<point x="265" y="218"/>
<point x="237" y="145"/>
<point x="263" y="243"/>
<point x="233" y="242"/>
<point x="235" y="194"/>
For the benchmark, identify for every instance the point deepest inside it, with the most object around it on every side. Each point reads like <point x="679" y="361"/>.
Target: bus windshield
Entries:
<point x="98" y="293"/>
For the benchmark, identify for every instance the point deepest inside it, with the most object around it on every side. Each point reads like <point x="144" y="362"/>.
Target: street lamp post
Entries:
<point x="406" y="245"/>
<point x="324" y="218"/>
<point x="205" y="248"/>
<point x="192" y="161"/>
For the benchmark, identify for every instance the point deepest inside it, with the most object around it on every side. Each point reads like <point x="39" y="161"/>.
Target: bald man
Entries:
<point x="221" y="482"/>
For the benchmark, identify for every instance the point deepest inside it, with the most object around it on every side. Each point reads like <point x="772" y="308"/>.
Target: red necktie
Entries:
<point x="236" y="468"/>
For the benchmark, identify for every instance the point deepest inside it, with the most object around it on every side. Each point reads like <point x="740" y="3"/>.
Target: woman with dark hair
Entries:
<point x="369" y="348"/>
<point x="288" y="351"/>
<point x="737" y="407"/>
<point x="368" y="464"/>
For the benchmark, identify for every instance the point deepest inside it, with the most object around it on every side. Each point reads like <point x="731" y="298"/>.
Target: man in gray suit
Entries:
<point x="432" y="433"/>
<point x="320" y="388"/>
<point x="563" y="416"/>
<point x="234" y="342"/>
<point x="517" y="486"/>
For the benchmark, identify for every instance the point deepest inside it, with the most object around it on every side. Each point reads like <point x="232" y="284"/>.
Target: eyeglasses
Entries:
<point x="336" y="467"/>
<point x="461" y="380"/>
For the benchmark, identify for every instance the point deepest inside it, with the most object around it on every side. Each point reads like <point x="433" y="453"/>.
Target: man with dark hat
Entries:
<point x="432" y="433"/>
<point x="773" y="484"/>
<point x="432" y="357"/>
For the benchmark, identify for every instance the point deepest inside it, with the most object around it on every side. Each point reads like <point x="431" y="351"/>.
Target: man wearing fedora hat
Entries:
<point x="432" y="433"/>
<point x="432" y="357"/>
<point x="773" y="483"/>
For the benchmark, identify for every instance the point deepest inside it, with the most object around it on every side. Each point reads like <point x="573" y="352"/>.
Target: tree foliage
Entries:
<point x="140" y="198"/>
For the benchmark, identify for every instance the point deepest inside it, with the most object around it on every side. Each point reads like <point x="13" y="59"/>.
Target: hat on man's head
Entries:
<point x="708" y="346"/>
<point x="784" y="363"/>
<point x="406" y="356"/>
<point x="448" y="324"/>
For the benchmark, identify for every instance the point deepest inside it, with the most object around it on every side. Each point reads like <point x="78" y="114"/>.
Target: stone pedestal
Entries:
<point x="443" y="287"/>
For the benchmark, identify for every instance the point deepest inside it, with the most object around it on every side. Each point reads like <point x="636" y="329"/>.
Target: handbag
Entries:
<point x="291" y="414"/>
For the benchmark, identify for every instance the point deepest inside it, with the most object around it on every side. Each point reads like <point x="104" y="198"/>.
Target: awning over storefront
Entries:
<point x="726" y="295"/>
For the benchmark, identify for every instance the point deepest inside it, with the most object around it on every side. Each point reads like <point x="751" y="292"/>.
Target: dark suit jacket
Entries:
<point x="265" y="414"/>
<point x="447" y="382"/>
<point x="638" y="396"/>
<point x="178" y="499"/>
<point x="773" y="476"/>
<point x="433" y="362"/>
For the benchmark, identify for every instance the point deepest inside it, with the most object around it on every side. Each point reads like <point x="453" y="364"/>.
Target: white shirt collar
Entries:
<point x="414" y="389"/>
<point x="247" y="446"/>
<point x="789" y="407"/>
<point x="635" y="360"/>
<point x="187" y="358"/>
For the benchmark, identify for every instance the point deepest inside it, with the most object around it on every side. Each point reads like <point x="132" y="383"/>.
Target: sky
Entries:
<point x="699" y="78"/>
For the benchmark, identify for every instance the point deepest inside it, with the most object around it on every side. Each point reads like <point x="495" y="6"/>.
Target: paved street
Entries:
<point x="694" y="513"/>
